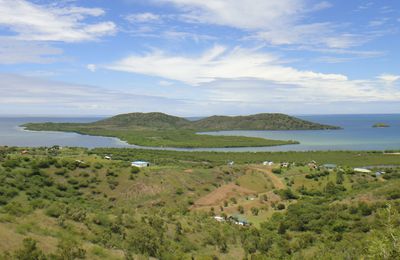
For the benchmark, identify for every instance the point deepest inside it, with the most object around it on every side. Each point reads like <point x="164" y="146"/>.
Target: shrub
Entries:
<point x="55" y="210"/>
<point x="135" y="170"/>
<point x="280" y="206"/>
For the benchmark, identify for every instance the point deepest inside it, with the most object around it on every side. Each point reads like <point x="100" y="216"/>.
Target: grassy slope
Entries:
<point x="350" y="158"/>
<point x="157" y="129"/>
<point x="111" y="196"/>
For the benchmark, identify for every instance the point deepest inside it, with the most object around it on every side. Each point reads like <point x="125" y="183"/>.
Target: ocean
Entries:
<point x="357" y="134"/>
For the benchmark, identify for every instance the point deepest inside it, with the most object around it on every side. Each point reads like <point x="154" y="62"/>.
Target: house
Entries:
<point x="140" y="164"/>
<point x="285" y="165"/>
<point x="312" y="166"/>
<point x="330" y="166"/>
<point x="361" y="170"/>
<point x="268" y="163"/>
<point x="219" y="218"/>
<point x="107" y="157"/>
<point x="239" y="220"/>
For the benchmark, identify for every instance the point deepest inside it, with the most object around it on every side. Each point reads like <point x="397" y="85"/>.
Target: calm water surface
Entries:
<point x="357" y="134"/>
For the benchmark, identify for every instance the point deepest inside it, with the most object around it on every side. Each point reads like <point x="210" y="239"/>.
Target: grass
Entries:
<point x="158" y="157"/>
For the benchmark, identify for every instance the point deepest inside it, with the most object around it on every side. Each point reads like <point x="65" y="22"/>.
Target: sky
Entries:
<point x="199" y="58"/>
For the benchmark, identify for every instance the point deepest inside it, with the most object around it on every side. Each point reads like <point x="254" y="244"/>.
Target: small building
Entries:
<point x="285" y="165"/>
<point x="361" y="170"/>
<point x="312" y="165"/>
<point x="330" y="166"/>
<point x="268" y="163"/>
<point x="140" y="164"/>
<point x="107" y="157"/>
<point x="219" y="218"/>
<point x="239" y="220"/>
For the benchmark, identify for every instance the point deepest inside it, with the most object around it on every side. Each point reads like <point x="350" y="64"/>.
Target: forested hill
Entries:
<point x="146" y="120"/>
<point x="161" y="130"/>
<point x="263" y="121"/>
<point x="257" y="122"/>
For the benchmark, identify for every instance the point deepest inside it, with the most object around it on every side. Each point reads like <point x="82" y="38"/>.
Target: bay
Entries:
<point x="357" y="134"/>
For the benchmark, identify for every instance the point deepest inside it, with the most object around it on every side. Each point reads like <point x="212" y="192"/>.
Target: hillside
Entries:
<point x="73" y="203"/>
<point x="263" y="121"/>
<point x="144" y="120"/>
<point x="161" y="130"/>
<point x="257" y="122"/>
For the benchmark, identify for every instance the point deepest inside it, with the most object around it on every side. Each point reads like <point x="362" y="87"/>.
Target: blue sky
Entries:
<point x="196" y="57"/>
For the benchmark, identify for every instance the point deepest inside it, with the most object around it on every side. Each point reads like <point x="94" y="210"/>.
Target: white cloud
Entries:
<point x="13" y="51"/>
<point x="52" y="22"/>
<point x="165" y="83"/>
<point x="143" y="17"/>
<point x="216" y="63"/>
<point x="32" y="95"/>
<point x="92" y="67"/>
<point x="222" y="68"/>
<point x="276" y="22"/>
<point x="240" y="13"/>
<point x="389" y="78"/>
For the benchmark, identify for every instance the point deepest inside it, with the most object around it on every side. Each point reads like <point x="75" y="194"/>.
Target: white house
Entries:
<point x="140" y="164"/>
<point x="107" y="157"/>
<point x="268" y="163"/>
<point x="361" y="170"/>
<point x="219" y="219"/>
<point x="285" y="165"/>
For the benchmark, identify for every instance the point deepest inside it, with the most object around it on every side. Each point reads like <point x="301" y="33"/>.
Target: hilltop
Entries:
<point x="145" y="120"/>
<point x="263" y="121"/>
<point x="162" y="130"/>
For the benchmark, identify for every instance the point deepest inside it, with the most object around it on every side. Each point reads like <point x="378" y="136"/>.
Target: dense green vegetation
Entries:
<point x="157" y="129"/>
<point x="71" y="203"/>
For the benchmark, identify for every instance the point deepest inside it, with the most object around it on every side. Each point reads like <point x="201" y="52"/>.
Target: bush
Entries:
<point x="54" y="211"/>
<point x="277" y="170"/>
<point x="254" y="211"/>
<point x="135" y="170"/>
<point x="280" y="206"/>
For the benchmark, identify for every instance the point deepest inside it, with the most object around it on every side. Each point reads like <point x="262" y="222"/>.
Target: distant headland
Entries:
<point x="162" y="130"/>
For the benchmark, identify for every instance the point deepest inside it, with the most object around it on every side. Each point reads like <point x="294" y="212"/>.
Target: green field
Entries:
<point x="71" y="203"/>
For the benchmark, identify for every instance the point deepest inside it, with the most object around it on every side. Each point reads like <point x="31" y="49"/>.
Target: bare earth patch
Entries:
<point x="222" y="193"/>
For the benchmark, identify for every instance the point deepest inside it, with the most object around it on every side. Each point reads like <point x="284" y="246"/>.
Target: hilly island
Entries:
<point x="162" y="130"/>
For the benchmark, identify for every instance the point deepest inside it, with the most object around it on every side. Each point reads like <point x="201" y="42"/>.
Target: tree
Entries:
<point x="254" y="211"/>
<point x="339" y="177"/>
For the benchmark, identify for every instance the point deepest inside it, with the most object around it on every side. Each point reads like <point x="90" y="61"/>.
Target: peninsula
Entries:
<point x="162" y="130"/>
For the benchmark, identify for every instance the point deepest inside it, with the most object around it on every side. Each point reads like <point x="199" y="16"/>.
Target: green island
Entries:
<point x="76" y="203"/>
<point x="380" y="125"/>
<point x="161" y="130"/>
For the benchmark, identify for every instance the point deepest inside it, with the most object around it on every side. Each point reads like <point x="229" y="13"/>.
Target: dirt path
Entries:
<point x="278" y="183"/>
<point x="222" y="193"/>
